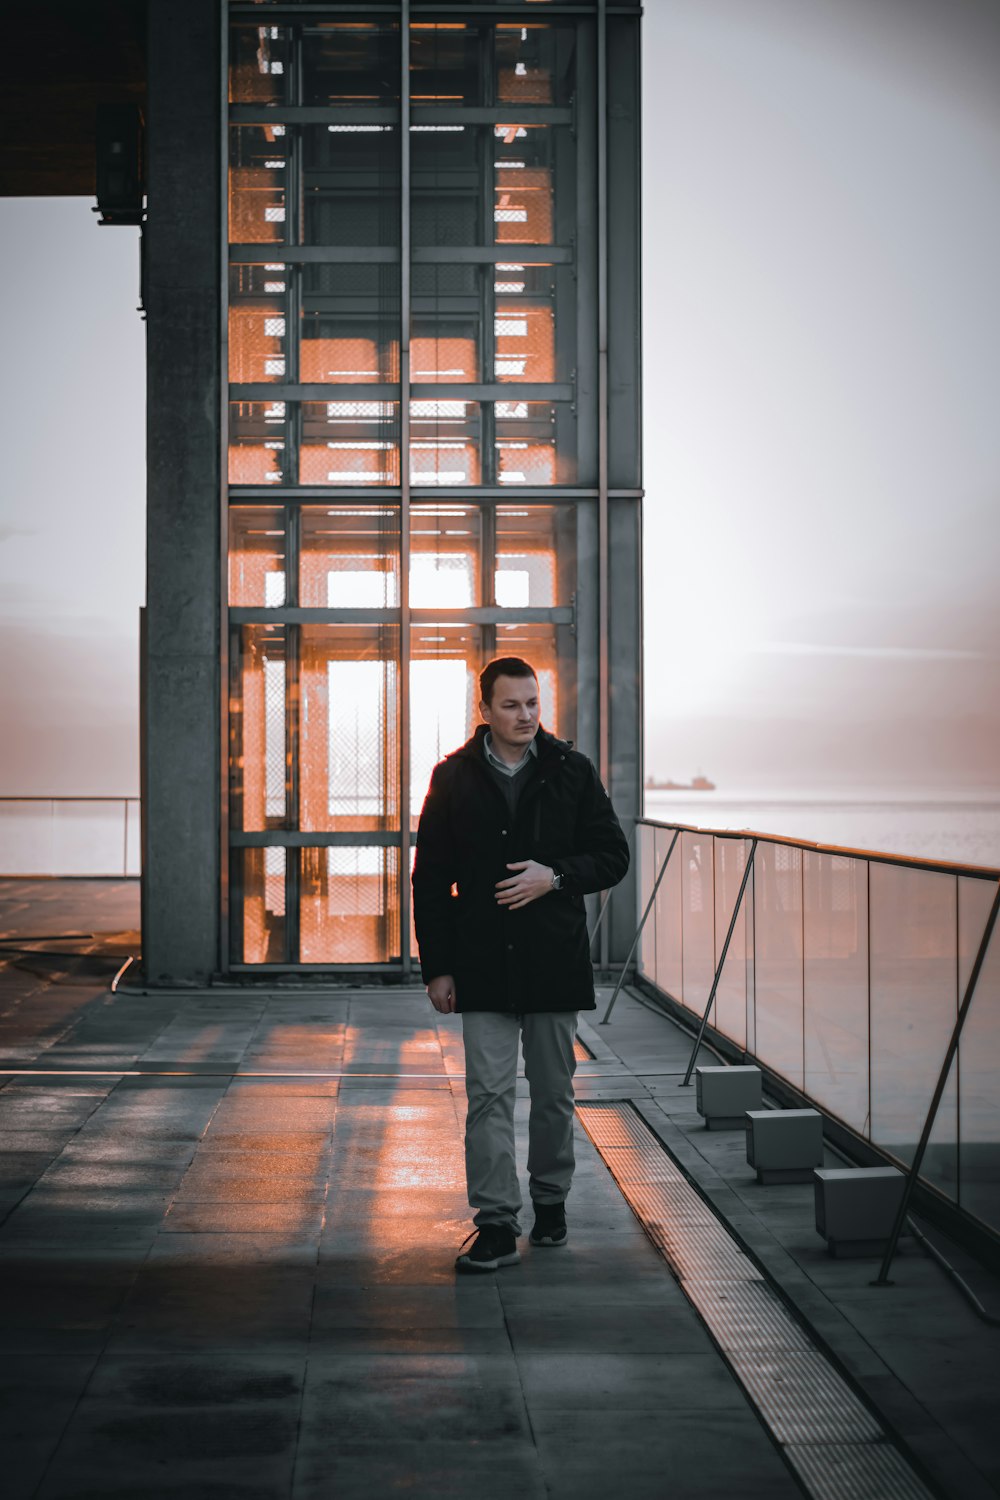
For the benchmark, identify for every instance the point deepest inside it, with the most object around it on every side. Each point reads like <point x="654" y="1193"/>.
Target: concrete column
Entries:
<point x="181" y="785"/>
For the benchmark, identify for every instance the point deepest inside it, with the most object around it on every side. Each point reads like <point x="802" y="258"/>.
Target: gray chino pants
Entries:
<point x="491" y="1039"/>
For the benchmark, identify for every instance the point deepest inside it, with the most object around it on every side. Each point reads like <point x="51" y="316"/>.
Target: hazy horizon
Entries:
<point x="822" y="450"/>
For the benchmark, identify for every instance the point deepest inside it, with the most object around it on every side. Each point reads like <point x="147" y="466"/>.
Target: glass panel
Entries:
<point x="256" y="337"/>
<point x="731" y="997"/>
<point x="445" y="63"/>
<point x="778" y="959"/>
<point x="257" y="447"/>
<point x="514" y="340"/>
<point x="645" y="856"/>
<point x="258" y="176"/>
<point x="535" y="64"/>
<point x="256" y="556"/>
<point x="348" y="754"/>
<point x="913" y="1008"/>
<point x="698" y="901"/>
<point x="835" y="963"/>
<point x="257" y="759"/>
<point x="535" y="442"/>
<point x="350" y="62"/>
<point x="533" y="190"/>
<point x="535" y="555"/>
<point x="529" y="64"/>
<point x="979" y="1055"/>
<point x="349" y="905"/>
<point x="446" y="556"/>
<point x="349" y="559"/>
<point x="446" y="442"/>
<point x="350" y="324"/>
<point x="444" y="686"/>
<point x="668" y="915"/>
<point x="260" y="876"/>
<point x="351" y="183"/>
<point x="350" y="442"/>
<point x="259" y="63"/>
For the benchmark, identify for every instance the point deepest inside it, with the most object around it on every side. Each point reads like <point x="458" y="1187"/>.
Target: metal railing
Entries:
<point x="97" y="836"/>
<point x="868" y="982"/>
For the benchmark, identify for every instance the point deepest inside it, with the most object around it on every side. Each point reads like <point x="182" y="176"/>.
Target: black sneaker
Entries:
<point x="550" y="1224"/>
<point x="496" y="1246"/>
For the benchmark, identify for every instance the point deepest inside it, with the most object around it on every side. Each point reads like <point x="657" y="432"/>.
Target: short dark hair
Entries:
<point x="502" y="666"/>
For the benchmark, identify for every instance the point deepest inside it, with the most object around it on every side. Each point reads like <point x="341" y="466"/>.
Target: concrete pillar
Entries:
<point x="181" y="772"/>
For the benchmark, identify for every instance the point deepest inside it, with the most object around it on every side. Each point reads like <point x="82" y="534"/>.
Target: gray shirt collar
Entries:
<point x="501" y="765"/>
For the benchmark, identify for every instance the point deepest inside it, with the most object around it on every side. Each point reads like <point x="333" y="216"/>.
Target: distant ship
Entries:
<point x="698" y="784"/>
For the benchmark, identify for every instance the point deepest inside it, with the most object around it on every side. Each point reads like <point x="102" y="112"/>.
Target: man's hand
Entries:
<point x="442" y="994"/>
<point x="534" y="880"/>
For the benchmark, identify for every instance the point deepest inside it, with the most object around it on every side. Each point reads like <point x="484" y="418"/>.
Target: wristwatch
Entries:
<point x="557" y="879"/>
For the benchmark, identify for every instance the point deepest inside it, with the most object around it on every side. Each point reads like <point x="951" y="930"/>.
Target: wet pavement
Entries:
<point x="229" y="1222"/>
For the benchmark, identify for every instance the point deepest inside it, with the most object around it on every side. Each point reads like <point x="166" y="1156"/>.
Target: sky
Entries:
<point x="822" y="455"/>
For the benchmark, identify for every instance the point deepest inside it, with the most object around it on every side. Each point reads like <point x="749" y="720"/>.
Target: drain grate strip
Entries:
<point x="834" y="1444"/>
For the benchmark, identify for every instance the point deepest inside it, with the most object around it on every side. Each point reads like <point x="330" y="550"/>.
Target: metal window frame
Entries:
<point x="406" y="494"/>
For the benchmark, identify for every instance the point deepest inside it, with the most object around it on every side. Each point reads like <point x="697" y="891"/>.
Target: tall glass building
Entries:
<point x="392" y="283"/>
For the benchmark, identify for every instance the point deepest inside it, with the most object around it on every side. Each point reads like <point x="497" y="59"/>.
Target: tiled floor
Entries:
<point x="221" y="1280"/>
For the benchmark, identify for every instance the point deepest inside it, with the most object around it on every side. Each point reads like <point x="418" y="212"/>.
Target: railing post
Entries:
<point x="638" y="931"/>
<point x="882" y="1279"/>
<point x="718" y="971"/>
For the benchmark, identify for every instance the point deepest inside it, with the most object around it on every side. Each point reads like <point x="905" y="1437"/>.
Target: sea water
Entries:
<point x="964" y="829"/>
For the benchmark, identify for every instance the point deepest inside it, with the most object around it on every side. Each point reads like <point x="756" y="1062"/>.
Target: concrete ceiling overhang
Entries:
<point x="63" y="60"/>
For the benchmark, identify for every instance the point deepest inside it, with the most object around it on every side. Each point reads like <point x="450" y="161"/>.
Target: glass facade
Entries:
<point x="413" y="423"/>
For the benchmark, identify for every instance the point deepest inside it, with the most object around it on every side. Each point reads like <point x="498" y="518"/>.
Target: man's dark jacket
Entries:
<point x="538" y="957"/>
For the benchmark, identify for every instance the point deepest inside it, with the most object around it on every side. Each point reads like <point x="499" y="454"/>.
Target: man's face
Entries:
<point x="513" y="713"/>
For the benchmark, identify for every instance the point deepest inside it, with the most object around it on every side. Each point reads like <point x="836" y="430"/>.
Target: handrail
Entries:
<point x="828" y="939"/>
<point x="943" y="866"/>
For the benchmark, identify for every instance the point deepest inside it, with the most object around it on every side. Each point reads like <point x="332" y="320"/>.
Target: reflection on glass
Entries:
<point x="533" y="193"/>
<point x="526" y="63"/>
<point x="444" y="687"/>
<point x="257" y="764"/>
<point x="698" y="905"/>
<point x="350" y="183"/>
<point x="913" y="1008"/>
<point x="979" y="1058"/>
<point x="256" y="556"/>
<point x="257" y="446"/>
<point x="731" y="996"/>
<point x="348" y="755"/>
<point x="349" y="905"/>
<point x="350" y="324"/>
<point x="349" y="442"/>
<point x="350" y="62"/>
<point x="256" y="340"/>
<point x="667" y="915"/>
<point x="777" y="889"/>
<point x="445" y="442"/>
<point x="258" y="182"/>
<point x="446" y="551"/>
<point x="259" y="63"/>
<point x="835" y="926"/>
<point x="349" y="559"/>
<point x="260" y="876"/>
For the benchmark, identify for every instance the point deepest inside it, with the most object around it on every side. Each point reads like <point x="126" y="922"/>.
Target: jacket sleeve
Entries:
<point x="434" y="873"/>
<point x="601" y="856"/>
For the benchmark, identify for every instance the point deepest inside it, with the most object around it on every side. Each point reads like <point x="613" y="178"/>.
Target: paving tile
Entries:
<point x="674" y="1452"/>
<point x="252" y="1218"/>
<point x="425" y="1470"/>
<point x="355" y="1401"/>
<point x="655" y="1382"/>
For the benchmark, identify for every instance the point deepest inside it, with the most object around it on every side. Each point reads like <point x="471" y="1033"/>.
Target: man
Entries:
<point x="516" y="828"/>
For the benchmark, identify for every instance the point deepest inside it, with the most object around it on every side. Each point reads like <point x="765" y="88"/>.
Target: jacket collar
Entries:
<point x="548" y="746"/>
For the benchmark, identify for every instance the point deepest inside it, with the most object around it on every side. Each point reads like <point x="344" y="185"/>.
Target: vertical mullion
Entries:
<point x="229" y="665"/>
<point x="404" y="485"/>
<point x="604" y="695"/>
